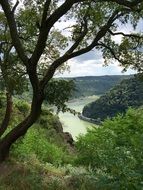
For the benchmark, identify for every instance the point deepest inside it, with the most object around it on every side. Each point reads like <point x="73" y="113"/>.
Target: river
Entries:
<point x="73" y="124"/>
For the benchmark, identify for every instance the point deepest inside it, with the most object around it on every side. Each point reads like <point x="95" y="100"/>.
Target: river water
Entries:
<point x="73" y="124"/>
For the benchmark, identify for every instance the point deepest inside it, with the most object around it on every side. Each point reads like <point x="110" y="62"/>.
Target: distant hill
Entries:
<point x="96" y="85"/>
<point x="85" y="86"/>
<point x="129" y="93"/>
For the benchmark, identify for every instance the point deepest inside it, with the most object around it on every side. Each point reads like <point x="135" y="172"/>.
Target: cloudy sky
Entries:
<point x="91" y="64"/>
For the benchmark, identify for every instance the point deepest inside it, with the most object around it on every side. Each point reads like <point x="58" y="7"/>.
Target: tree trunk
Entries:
<point x="7" y="116"/>
<point x="20" y="129"/>
<point x="4" y="152"/>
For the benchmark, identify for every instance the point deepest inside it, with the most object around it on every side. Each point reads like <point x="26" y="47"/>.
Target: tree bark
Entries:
<point x="7" y="116"/>
<point x="21" y="128"/>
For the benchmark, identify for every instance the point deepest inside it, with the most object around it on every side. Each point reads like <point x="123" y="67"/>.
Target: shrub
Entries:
<point x="36" y="142"/>
<point x="114" y="152"/>
<point x="22" y="106"/>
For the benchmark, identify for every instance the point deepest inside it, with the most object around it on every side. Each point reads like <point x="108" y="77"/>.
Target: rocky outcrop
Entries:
<point x="66" y="135"/>
<point x="68" y="138"/>
<point x="52" y="123"/>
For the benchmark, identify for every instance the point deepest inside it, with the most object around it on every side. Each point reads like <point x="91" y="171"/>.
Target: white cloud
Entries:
<point x="93" y="68"/>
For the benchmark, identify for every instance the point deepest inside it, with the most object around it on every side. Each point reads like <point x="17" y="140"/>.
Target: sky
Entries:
<point x="92" y="63"/>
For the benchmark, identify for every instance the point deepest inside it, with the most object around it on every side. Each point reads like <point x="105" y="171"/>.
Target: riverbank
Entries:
<point x="72" y="123"/>
<point x="90" y="120"/>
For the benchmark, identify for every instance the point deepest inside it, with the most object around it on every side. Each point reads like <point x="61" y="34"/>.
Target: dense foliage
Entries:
<point x="114" y="152"/>
<point x="58" y="93"/>
<point x="60" y="90"/>
<point x="127" y="94"/>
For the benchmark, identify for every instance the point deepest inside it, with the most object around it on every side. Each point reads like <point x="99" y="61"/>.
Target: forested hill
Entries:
<point x="96" y="85"/>
<point x="85" y="86"/>
<point x="129" y="93"/>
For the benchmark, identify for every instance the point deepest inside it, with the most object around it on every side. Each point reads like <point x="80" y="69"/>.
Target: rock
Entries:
<point x="58" y="126"/>
<point x="68" y="138"/>
<point x="65" y="135"/>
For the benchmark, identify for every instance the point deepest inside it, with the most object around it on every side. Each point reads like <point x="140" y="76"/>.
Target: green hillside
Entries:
<point x="96" y="85"/>
<point x="84" y="86"/>
<point x="129" y="93"/>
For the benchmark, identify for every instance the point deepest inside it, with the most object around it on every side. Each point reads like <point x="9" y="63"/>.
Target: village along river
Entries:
<point x="73" y="124"/>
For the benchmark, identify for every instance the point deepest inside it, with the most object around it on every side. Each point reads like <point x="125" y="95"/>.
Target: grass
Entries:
<point x="33" y="175"/>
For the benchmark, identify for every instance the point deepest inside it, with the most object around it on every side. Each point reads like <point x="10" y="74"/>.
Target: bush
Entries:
<point x="22" y="106"/>
<point x="36" y="142"/>
<point x="114" y="152"/>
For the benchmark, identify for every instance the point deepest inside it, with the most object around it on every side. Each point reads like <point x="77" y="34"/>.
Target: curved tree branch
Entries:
<point x="111" y="51"/>
<point x="102" y="32"/>
<point x="71" y="54"/>
<point x="15" y="6"/>
<point x="13" y="30"/>
<point x="45" y="12"/>
<point x="125" y="35"/>
<point x="46" y="27"/>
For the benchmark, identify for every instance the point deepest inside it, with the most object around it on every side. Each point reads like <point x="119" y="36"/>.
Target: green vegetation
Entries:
<point x="33" y="175"/>
<point x="42" y="159"/>
<point x="96" y="85"/>
<point x="76" y="87"/>
<point x="46" y="144"/>
<point x="45" y="140"/>
<point x="54" y="95"/>
<point x="114" y="152"/>
<point x="127" y="94"/>
<point x="107" y="157"/>
<point x="33" y="49"/>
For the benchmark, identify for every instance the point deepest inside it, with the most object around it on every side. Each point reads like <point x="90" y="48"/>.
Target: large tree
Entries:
<point x="41" y="48"/>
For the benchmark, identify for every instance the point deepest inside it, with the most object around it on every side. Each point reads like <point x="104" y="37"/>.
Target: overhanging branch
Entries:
<point x="45" y="12"/>
<point x="111" y="51"/>
<point x="71" y="54"/>
<point x="102" y="32"/>
<point x="83" y="32"/>
<point x="15" y="6"/>
<point x="46" y="27"/>
<point x="125" y="35"/>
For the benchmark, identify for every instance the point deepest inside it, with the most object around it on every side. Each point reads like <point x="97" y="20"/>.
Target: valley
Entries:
<point x="71" y="123"/>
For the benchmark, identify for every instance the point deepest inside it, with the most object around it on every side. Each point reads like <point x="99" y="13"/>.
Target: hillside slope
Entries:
<point x="96" y="85"/>
<point x="86" y="85"/>
<point x="129" y="93"/>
